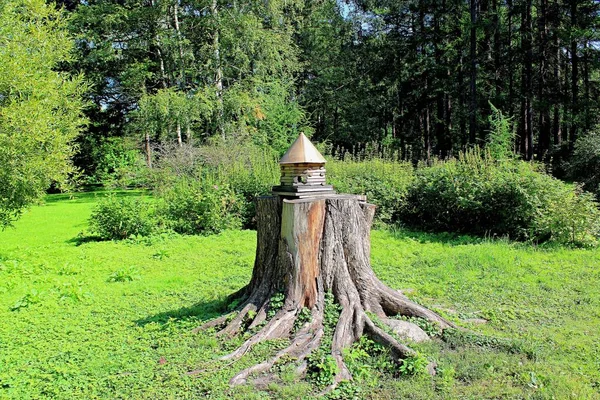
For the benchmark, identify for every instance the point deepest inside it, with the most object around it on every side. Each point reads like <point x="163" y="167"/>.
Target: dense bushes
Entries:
<point x="120" y="217"/>
<point x="200" y="206"/>
<point x="584" y="165"/>
<point x="208" y="189"/>
<point x="245" y="169"/>
<point x="479" y="195"/>
<point x="114" y="163"/>
<point x="385" y="183"/>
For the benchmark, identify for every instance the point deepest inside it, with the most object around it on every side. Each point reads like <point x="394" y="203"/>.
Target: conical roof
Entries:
<point x="302" y="151"/>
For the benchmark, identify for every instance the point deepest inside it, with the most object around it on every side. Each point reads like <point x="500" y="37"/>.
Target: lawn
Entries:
<point x="86" y="319"/>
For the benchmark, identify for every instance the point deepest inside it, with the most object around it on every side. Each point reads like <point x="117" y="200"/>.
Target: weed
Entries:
<point x="161" y="254"/>
<point x="33" y="297"/>
<point x="413" y="365"/>
<point x="302" y="318"/>
<point x="124" y="275"/>
<point x="275" y="304"/>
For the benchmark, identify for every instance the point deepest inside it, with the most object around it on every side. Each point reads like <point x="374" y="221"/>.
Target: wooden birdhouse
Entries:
<point x="303" y="172"/>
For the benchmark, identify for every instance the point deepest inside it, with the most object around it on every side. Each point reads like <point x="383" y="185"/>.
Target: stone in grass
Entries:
<point x="476" y="321"/>
<point x="407" y="330"/>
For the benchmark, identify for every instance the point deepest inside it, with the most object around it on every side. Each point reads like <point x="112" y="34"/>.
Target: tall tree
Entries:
<point x="40" y="109"/>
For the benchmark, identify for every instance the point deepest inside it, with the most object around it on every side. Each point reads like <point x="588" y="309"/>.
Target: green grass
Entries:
<point x="114" y="319"/>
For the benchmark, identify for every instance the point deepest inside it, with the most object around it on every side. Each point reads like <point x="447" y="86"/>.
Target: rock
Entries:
<point x="446" y="310"/>
<point x="432" y="368"/>
<point x="476" y="321"/>
<point x="407" y="291"/>
<point x="407" y="330"/>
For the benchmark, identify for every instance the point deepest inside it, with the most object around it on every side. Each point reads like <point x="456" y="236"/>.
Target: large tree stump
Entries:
<point x="306" y="248"/>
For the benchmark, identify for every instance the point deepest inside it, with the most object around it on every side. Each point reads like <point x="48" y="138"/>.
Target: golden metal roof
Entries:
<point x="302" y="151"/>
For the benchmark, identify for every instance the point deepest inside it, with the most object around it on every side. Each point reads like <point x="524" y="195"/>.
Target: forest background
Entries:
<point x="420" y="77"/>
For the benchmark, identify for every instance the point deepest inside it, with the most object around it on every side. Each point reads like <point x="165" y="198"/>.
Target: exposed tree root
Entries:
<point x="305" y="249"/>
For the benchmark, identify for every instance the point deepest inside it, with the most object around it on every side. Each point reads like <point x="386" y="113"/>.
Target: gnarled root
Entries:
<point x="305" y="249"/>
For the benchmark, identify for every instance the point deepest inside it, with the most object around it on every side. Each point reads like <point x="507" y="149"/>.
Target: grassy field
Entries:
<point x="84" y="319"/>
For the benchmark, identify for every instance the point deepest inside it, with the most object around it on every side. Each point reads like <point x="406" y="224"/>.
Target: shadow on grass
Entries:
<point x="452" y="239"/>
<point x="202" y="311"/>
<point x="79" y="239"/>
<point x="93" y="196"/>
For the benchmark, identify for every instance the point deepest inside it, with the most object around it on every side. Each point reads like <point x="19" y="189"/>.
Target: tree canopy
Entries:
<point x="40" y="108"/>
<point x="421" y="76"/>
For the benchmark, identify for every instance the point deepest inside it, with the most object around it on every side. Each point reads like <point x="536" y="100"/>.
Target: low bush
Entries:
<point x="116" y="163"/>
<point x="385" y="183"/>
<point x="479" y="195"/>
<point x="247" y="170"/>
<point x="201" y="206"/>
<point x="117" y="218"/>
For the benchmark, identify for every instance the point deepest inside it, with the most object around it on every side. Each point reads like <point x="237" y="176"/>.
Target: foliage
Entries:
<point x="584" y="165"/>
<point x="134" y="340"/>
<point x="200" y="207"/>
<point x="169" y="114"/>
<point x="117" y="164"/>
<point x="479" y="195"/>
<point x="117" y="218"/>
<point x="40" y="108"/>
<point x="501" y="136"/>
<point x="192" y="71"/>
<point x="247" y="169"/>
<point x="275" y="304"/>
<point x="413" y="365"/>
<point x="321" y="366"/>
<point x="384" y="182"/>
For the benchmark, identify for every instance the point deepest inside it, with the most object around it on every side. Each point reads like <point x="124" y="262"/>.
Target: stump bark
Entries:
<point x="306" y="248"/>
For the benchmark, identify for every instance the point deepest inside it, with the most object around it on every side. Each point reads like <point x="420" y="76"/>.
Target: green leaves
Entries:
<point x="40" y="109"/>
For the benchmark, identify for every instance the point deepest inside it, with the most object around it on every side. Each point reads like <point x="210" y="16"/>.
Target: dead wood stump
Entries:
<point x="306" y="248"/>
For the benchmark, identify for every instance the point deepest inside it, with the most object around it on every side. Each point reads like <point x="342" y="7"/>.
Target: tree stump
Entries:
<point x="306" y="248"/>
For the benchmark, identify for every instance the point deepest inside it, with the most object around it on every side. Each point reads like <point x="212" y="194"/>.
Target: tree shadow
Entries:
<point x="202" y="311"/>
<point x="80" y="239"/>
<point x="447" y="238"/>
<point x="92" y="196"/>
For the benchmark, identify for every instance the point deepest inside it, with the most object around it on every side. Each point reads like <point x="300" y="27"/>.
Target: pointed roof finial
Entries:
<point x="302" y="151"/>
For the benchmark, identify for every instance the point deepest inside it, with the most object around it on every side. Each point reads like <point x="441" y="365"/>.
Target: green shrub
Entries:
<point x="385" y="183"/>
<point x="200" y="207"/>
<point x="248" y="170"/>
<point x="116" y="163"/>
<point x="120" y="217"/>
<point x="584" y="164"/>
<point x="571" y="216"/>
<point x="479" y="195"/>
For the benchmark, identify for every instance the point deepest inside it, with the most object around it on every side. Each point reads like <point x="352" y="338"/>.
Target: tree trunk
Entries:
<point x="214" y="10"/>
<point x="473" y="77"/>
<point x="558" y="97"/>
<point x="163" y="71"/>
<point x="178" y="130"/>
<point x="148" y="150"/>
<point x="182" y="80"/>
<point x="305" y="249"/>
<point x="574" y="76"/>
<point x="544" y="82"/>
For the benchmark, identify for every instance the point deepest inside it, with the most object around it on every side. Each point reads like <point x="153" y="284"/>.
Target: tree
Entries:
<point x="307" y="248"/>
<point x="238" y="55"/>
<point x="40" y="108"/>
